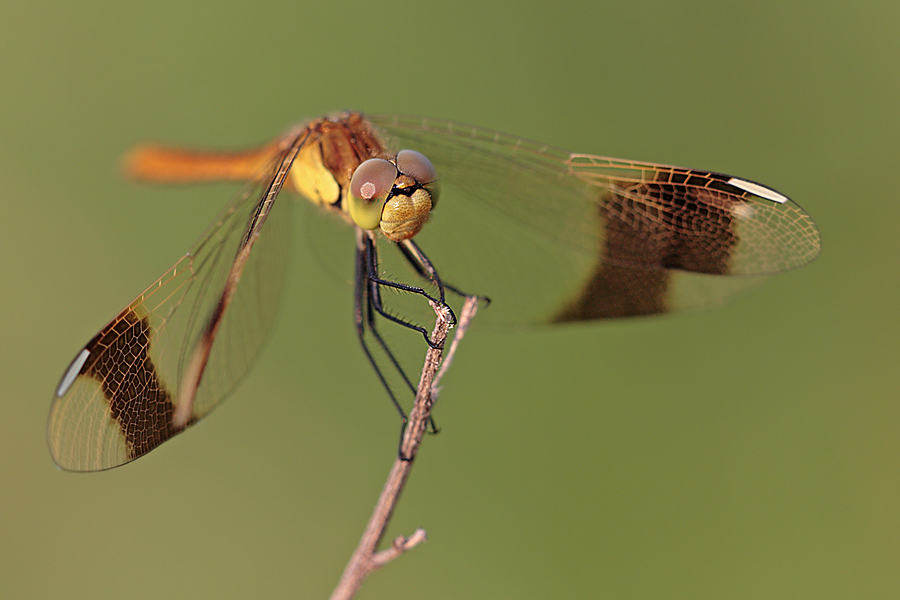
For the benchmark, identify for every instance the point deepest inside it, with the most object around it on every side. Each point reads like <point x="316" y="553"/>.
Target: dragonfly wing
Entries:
<point x="574" y="236"/>
<point x="119" y="397"/>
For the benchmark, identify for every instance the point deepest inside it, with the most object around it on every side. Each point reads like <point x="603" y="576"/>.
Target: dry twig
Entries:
<point x="366" y="559"/>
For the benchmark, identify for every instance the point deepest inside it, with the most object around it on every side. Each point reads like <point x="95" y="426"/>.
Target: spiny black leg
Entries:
<point x="365" y="316"/>
<point x="368" y="305"/>
<point x="373" y="328"/>
<point x="375" y="283"/>
<point x="422" y="265"/>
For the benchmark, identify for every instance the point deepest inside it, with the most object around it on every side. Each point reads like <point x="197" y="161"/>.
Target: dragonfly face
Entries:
<point x="623" y="238"/>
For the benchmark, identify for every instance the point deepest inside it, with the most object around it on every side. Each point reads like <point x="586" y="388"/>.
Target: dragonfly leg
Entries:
<point x="375" y="284"/>
<point x="368" y="308"/>
<point x="422" y="265"/>
<point x="366" y="322"/>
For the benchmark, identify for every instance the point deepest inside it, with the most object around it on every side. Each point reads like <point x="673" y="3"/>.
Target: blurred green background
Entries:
<point x="746" y="452"/>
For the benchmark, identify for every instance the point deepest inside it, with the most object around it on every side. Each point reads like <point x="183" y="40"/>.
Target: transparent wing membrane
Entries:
<point x="118" y="404"/>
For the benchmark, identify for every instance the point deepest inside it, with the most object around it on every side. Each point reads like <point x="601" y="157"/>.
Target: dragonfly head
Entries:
<point x="394" y="195"/>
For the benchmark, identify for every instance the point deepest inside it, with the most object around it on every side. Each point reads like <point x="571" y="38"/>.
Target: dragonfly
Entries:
<point x="548" y="235"/>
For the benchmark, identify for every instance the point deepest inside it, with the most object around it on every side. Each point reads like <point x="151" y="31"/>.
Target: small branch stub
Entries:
<point x="399" y="546"/>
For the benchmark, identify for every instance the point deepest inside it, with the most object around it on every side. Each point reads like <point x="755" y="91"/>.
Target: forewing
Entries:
<point x="550" y="235"/>
<point x="118" y="397"/>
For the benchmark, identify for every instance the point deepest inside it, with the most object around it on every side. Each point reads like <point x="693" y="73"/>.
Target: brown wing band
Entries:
<point x="138" y="399"/>
<point x="648" y="230"/>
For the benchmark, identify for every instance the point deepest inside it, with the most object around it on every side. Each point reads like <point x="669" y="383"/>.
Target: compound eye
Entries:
<point x="370" y="186"/>
<point x="416" y="165"/>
